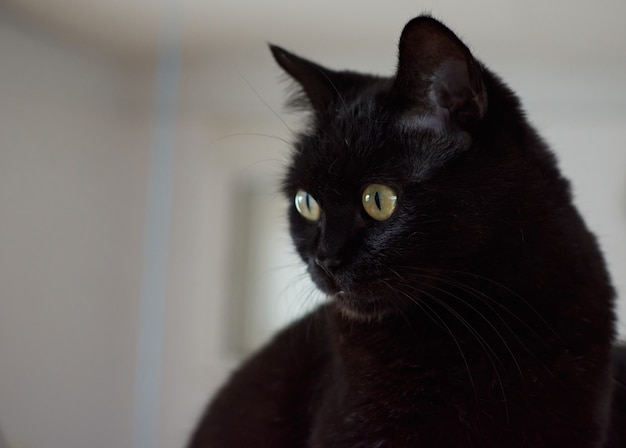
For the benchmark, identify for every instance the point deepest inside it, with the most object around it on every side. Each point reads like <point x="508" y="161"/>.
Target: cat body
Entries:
<point x="469" y="304"/>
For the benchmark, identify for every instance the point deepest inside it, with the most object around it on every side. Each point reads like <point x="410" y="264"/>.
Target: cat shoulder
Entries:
<point x="269" y="394"/>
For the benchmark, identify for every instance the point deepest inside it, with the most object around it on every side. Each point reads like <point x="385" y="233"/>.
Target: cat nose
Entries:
<point x="328" y="264"/>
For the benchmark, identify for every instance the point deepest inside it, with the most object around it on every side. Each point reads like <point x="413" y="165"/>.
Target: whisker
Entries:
<point x="484" y="298"/>
<point x="512" y="293"/>
<point x="249" y="134"/>
<point x="490" y="324"/>
<point x="256" y="92"/>
<point x="439" y="275"/>
<point x="483" y="343"/>
<point x="424" y="305"/>
<point x="440" y="322"/>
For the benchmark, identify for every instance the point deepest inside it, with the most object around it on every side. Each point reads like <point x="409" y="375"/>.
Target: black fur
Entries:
<point x="480" y="314"/>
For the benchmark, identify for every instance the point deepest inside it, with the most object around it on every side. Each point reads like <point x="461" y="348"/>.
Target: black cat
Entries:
<point x="469" y="306"/>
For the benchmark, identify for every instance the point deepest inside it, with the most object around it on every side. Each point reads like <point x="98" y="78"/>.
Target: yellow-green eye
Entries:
<point x="379" y="201"/>
<point x="307" y="206"/>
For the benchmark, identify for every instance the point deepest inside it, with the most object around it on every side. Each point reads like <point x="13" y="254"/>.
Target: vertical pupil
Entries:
<point x="377" y="200"/>
<point x="308" y="201"/>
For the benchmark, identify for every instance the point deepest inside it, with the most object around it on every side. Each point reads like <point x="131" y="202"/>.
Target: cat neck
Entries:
<point x="399" y="341"/>
<point x="381" y="355"/>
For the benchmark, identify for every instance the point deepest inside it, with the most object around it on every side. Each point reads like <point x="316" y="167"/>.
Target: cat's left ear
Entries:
<point x="438" y="78"/>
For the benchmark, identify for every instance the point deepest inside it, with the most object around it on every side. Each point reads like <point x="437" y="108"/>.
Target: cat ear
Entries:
<point x="438" y="76"/>
<point x="317" y="82"/>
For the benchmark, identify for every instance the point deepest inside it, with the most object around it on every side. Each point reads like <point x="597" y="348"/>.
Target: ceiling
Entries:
<point x="545" y="49"/>
<point x="131" y="28"/>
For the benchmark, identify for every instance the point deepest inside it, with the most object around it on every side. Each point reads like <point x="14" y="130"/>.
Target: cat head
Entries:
<point x="387" y="183"/>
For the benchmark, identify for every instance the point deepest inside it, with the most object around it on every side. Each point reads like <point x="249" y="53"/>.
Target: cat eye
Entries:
<point x="307" y="206"/>
<point x="379" y="201"/>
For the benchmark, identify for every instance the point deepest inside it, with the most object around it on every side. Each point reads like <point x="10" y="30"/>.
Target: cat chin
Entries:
<point x="357" y="316"/>
<point x="351" y="308"/>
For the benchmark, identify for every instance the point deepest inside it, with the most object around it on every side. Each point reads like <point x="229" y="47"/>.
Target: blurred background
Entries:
<point x="143" y="251"/>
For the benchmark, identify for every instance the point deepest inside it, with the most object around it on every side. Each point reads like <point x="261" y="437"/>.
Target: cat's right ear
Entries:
<point x="317" y="82"/>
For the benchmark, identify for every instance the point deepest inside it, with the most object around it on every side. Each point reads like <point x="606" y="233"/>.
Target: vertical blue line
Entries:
<point x="152" y="305"/>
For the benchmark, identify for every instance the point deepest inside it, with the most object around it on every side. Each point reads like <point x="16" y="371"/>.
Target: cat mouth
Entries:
<point x="351" y="297"/>
<point x="327" y="281"/>
<point x="351" y="300"/>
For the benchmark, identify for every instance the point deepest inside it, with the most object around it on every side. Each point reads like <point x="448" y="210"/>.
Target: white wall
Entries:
<point x="72" y="193"/>
<point x="75" y="134"/>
